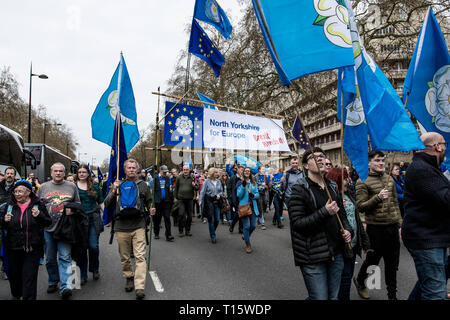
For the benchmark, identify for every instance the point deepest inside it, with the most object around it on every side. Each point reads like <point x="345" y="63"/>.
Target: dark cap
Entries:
<point x="24" y="183"/>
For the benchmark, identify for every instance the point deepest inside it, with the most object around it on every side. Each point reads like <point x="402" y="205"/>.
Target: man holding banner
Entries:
<point x="317" y="241"/>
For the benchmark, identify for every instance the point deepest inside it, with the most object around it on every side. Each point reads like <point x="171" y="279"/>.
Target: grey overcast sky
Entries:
<point x="77" y="44"/>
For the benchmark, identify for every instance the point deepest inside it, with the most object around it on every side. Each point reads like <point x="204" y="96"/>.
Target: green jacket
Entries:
<point x="183" y="188"/>
<point x="371" y="205"/>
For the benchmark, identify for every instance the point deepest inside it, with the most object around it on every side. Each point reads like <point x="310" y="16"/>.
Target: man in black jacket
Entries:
<point x="426" y="224"/>
<point x="317" y="241"/>
<point x="163" y="203"/>
<point x="6" y="186"/>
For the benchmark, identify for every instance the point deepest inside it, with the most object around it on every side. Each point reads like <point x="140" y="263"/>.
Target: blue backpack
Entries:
<point x="129" y="205"/>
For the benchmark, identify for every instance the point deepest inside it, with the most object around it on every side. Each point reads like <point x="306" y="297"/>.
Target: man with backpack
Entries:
<point x="132" y="199"/>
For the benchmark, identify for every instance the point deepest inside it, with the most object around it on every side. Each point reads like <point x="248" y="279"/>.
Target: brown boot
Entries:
<point x="248" y="247"/>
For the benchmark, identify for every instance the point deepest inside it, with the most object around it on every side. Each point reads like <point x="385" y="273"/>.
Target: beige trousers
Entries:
<point x="136" y="240"/>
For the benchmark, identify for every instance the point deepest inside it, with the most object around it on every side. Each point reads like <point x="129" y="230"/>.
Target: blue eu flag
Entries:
<point x="201" y="46"/>
<point x="118" y="96"/>
<point x="99" y="174"/>
<point x="183" y="126"/>
<point x="299" y="133"/>
<point x="426" y="88"/>
<point x="210" y="12"/>
<point x="118" y="150"/>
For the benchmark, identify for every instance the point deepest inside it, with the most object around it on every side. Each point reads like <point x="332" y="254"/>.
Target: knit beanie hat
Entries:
<point x="24" y="183"/>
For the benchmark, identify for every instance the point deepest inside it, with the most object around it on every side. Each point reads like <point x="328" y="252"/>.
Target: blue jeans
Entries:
<point x="92" y="251"/>
<point x="346" y="279"/>
<point x="323" y="279"/>
<point x="248" y="224"/>
<point x="213" y="221"/>
<point x="430" y="268"/>
<point x="58" y="270"/>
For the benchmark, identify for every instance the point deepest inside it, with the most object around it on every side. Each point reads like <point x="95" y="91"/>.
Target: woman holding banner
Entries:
<point x="247" y="193"/>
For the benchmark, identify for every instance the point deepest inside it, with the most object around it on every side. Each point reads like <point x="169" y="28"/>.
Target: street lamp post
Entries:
<point x="41" y="76"/>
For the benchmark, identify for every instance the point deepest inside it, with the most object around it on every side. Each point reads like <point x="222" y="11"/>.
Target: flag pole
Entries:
<point x="342" y="165"/>
<point x="155" y="170"/>
<point x="119" y="126"/>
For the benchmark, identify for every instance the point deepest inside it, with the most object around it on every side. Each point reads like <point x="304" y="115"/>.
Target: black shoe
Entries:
<point x="181" y="234"/>
<point x="240" y="231"/>
<point x="140" y="294"/>
<point x="188" y="233"/>
<point x="96" y="275"/>
<point x="66" y="294"/>
<point x="392" y="296"/>
<point x="156" y="236"/>
<point x="52" y="288"/>
<point x="214" y="241"/>
<point x="83" y="282"/>
<point x="170" y="238"/>
<point x="231" y="229"/>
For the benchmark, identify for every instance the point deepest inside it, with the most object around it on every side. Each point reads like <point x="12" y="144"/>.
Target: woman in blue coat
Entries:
<point x="247" y="192"/>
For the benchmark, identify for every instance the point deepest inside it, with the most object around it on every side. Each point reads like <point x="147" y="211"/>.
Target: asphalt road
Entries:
<point x="192" y="268"/>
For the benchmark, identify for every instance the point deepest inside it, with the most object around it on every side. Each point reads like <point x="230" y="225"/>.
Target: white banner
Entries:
<point x="229" y="130"/>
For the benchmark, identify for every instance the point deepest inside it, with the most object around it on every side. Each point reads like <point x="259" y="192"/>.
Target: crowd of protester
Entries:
<point x="333" y="217"/>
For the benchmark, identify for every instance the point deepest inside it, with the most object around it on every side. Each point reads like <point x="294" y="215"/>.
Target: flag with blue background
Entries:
<point x="118" y="96"/>
<point x="355" y="126"/>
<point x="201" y="46"/>
<point x="305" y="37"/>
<point x="299" y="133"/>
<point x="183" y="126"/>
<point x="426" y="89"/>
<point x="210" y="12"/>
<point x="371" y="105"/>
<point x="118" y="150"/>
<point x="207" y="100"/>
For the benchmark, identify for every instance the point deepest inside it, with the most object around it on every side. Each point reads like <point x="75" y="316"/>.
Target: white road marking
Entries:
<point x="156" y="282"/>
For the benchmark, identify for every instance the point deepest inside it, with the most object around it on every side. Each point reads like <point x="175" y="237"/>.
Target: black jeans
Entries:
<point x="384" y="243"/>
<point x="162" y="210"/>
<point x="23" y="272"/>
<point x="185" y="215"/>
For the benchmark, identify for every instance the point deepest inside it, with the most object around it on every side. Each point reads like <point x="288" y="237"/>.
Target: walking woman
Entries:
<point x="247" y="193"/>
<point x="91" y="198"/>
<point x="24" y="218"/>
<point x="212" y="197"/>
<point x="360" y="239"/>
